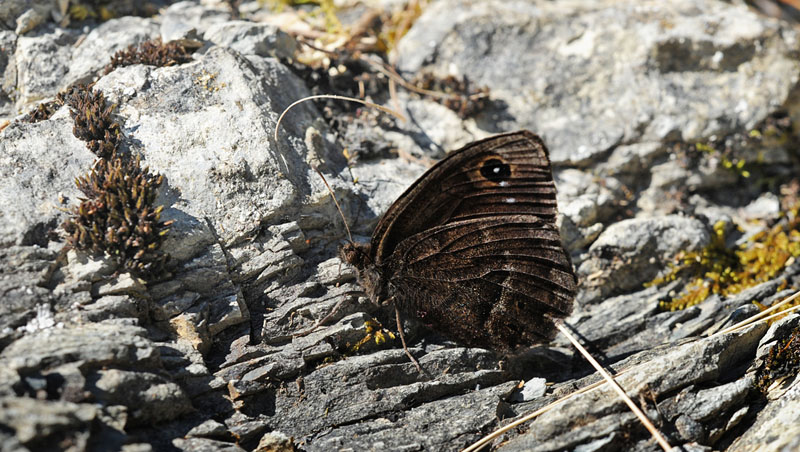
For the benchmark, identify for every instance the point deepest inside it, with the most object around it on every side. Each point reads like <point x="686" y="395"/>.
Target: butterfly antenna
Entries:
<point x="333" y="96"/>
<point x="607" y="376"/>
<point x="338" y="207"/>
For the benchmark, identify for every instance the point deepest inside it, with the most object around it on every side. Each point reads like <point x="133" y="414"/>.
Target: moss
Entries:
<point x="42" y="111"/>
<point x="151" y="53"/>
<point x="375" y="332"/>
<point x="783" y="361"/>
<point x="117" y="217"/>
<point x="93" y="122"/>
<point x="454" y="93"/>
<point x="324" y="9"/>
<point x="727" y="270"/>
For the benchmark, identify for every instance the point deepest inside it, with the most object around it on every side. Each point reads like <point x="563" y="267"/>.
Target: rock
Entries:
<point x="95" y="344"/>
<point x="211" y="353"/>
<point x="8" y="73"/>
<point x="23" y="270"/>
<point x="275" y="442"/>
<point x="95" y="51"/>
<point x="774" y="428"/>
<point x="149" y="398"/>
<point x="208" y="429"/>
<point x="205" y="445"/>
<point x="531" y="390"/>
<point x="40" y="78"/>
<point x="250" y="38"/>
<point x="632" y="252"/>
<point x="560" y="73"/>
<point x="48" y="158"/>
<point x="701" y="361"/>
<point x="187" y="19"/>
<point x="36" y="423"/>
<point x="242" y="177"/>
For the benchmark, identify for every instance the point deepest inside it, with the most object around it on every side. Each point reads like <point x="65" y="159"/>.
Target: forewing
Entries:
<point x="503" y="175"/>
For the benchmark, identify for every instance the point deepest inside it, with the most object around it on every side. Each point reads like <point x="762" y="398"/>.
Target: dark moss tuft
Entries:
<point x="93" y="123"/>
<point x="151" y="53"/>
<point x="42" y="111"/>
<point x="782" y="361"/>
<point x="454" y="93"/>
<point x="117" y="216"/>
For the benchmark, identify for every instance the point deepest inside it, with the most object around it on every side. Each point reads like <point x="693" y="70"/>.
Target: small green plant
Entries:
<point x="719" y="269"/>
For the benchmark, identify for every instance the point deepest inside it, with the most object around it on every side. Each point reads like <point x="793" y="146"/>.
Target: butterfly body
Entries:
<point x="472" y="247"/>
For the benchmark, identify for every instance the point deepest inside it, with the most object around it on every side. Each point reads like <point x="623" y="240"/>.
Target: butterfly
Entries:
<point x="472" y="248"/>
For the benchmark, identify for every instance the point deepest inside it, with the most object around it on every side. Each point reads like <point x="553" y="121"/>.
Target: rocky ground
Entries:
<point x="672" y="131"/>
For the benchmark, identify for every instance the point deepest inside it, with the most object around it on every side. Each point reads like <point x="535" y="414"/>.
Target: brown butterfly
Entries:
<point x="472" y="247"/>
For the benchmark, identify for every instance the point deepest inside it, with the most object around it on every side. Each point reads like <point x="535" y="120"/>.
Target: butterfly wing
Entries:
<point x="498" y="282"/>
<point x="502" y="175"/>
<point x="472" y="247"/>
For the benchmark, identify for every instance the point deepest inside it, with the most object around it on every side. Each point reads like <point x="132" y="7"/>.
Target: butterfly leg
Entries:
<point x="403" y="340"/>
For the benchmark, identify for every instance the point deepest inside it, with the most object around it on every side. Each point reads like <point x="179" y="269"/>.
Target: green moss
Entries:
<point x="723" y="270"/>
<point x="375" y="333"/>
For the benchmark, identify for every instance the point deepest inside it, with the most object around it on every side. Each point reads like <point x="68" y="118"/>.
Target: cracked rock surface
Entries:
<point x="628" y="95"/>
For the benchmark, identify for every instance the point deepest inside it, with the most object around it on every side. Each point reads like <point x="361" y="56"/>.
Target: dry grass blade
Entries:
<point x="773" y="316"/>
<point x="336" y="202"/>
<point x="607" y="379"/>
<point x="486" y="439"/>
<point x="759" y="316"/>
<point x="334" y="96"/>
<point x="633" y="407"/>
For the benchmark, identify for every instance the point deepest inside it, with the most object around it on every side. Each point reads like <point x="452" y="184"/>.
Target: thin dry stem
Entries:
<point x="338" y="207"/>
<point x="633" y="407"/>
<point x="486" y="439"/>
<point x="334" y="96"/>
<point x="758" y="316"/>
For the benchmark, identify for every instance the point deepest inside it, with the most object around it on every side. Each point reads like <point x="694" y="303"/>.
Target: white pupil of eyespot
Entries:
<point x="511" y="200"/>
<point x="496" y="169"/>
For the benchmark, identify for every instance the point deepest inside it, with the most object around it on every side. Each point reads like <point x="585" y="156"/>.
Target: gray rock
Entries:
<point x="188" y="19"/>
<point x="8" y="73"/>
<point x="150" y="399"/>
<point x="249" y="38"/>
<point x="205" y="445"/>
<point x="95" y="344"/>
<point x="23" y="271"/>
<point x="632" y="252"/>
<point x="208" y="357"/>
<point x="95" y="51"/>
<point x="40" y="78"/>
<point x="700" y="362"/>
<point x="215" y="148"/>
<point x="36" y="423"/>
<point x="775" y="427"/>
<point x="38" y="166"/>
<point x="563" y="76"/>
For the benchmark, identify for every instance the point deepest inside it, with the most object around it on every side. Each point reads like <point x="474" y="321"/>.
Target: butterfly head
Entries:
<point x="356" y="255"/>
